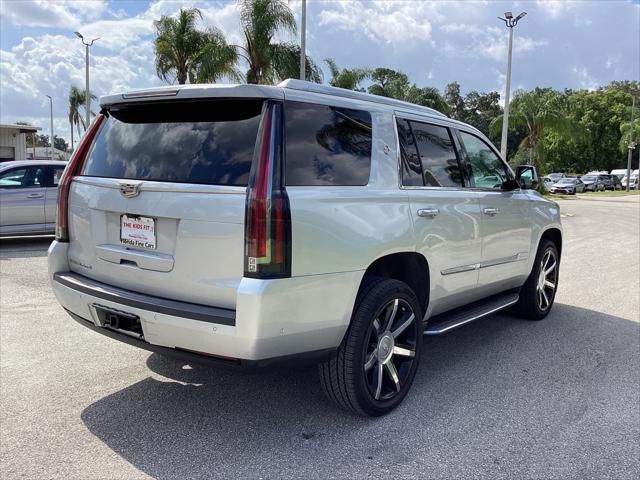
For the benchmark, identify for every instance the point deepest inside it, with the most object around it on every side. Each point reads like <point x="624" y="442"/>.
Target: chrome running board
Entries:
<point x="448" y="321"/>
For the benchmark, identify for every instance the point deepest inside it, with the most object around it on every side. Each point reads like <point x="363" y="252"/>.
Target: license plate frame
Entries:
<point x="138" y="231"/>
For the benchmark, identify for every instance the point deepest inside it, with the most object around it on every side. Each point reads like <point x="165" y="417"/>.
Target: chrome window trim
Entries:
<point x="399" y="159"/>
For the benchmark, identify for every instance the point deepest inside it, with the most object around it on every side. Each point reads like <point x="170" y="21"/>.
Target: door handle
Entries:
<point x="35" y="195"/>
<point x="491" y="211"/>
<point x="428" y="212"/>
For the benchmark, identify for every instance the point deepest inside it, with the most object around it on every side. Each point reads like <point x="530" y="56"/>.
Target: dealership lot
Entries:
<point x="500" y="398"/>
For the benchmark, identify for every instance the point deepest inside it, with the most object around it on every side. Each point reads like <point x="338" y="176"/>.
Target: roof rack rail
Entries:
<point x="303" y="85"/>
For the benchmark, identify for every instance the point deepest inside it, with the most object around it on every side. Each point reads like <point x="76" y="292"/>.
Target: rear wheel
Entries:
<point x="539" y="291"/>
<point x="374" y="367"/>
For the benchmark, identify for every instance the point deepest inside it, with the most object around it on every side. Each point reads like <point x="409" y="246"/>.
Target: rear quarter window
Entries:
<point x="326" y="145"/>
<point x="201" y="142"/>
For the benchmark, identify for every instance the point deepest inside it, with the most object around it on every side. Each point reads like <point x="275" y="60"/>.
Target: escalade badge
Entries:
<point x="130" y="190"/>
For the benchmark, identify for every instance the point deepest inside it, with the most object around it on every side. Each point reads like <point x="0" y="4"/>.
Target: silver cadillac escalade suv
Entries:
<point x="249" y="225"/>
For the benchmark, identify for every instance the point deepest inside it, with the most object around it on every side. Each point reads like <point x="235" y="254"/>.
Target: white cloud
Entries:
<point x="556" y="8"/>
<point x="490" y="42"/>
<point x="391" y="22"/>
<point x="494" y="44"/>
<point x="585" y="78"/>
<point x="47" y="13"/>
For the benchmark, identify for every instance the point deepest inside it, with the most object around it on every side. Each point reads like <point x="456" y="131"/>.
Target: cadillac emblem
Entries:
<point x="130" y="190"/>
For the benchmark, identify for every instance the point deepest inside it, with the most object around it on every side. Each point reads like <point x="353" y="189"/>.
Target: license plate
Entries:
<point x="137" y="231"/>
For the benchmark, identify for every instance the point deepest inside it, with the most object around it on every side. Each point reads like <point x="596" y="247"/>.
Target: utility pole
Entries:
<point x="51" y="131"/>
<point x="87" y="92"/>
<point x="510" y="22"/>
<point x="303" y="41"/>
<point x="631" y="144"/>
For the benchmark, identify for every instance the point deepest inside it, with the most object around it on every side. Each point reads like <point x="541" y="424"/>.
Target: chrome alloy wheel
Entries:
<point x="547" y="280"/>
<point x="391" y="349"/>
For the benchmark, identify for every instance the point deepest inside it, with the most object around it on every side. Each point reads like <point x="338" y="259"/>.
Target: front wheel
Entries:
<point x="539" y="291"/>
<point x="374" y="367"/>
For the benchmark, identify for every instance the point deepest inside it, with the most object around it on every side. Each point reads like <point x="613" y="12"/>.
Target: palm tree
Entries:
<point x="268" y="61"/>
<point x="185" y="53"/>
<point x="348" y="78"/>
<point x="625" y="130"/>
<point x="534" y="112"/>
<point x="77" y="99"/>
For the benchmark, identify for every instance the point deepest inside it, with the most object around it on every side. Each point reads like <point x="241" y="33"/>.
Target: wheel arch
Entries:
<point x="411" y="268"/>
<point x="555" y="235"/>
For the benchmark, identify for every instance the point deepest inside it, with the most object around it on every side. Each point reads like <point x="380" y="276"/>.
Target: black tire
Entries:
<point x="533" y="304"/>
<point x="367" y="355"/>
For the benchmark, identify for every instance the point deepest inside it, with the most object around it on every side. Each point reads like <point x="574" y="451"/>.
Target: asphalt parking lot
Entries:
<point x="501" y="398"/>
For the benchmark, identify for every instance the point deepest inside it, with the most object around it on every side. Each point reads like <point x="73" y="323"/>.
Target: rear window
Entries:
<point x="202" y="142"/>
<point x="327" y="145"/>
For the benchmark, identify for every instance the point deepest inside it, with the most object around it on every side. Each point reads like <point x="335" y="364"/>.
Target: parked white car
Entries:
<point x="633" y="184"/>
<point x="247" y="225"/>
<point x="28" y="196"/>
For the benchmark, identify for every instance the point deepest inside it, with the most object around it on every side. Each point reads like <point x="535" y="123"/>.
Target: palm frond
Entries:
<point x="285" y="61"/>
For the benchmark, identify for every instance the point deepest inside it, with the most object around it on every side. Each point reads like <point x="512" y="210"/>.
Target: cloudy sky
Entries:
<point x="562" y="44"/>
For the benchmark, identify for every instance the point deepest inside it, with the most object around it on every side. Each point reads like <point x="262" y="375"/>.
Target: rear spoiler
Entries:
<point x="194" y="92"/>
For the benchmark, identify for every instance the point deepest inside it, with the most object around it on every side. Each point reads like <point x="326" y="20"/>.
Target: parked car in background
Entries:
<point x="28" y="194"/>
<point x="611" y="182"/>
<point x="249" y="224"/>
<point x="633" y="184"/>
<point x="554" y="177"/>
<point x="592" y="183"/>
<point x="619" y="172"/>
<point x="567" y="185"/>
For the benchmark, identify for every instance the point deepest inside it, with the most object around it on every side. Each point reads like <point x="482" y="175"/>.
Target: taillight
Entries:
<point x="268" y="218"/>
<point x="73" y="168"/>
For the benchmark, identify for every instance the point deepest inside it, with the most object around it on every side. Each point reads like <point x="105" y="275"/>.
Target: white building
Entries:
<point x="13" y="142"/>
<point x="44" y="153"/>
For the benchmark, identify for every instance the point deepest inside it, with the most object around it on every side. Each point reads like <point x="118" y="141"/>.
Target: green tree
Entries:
<point x="185" y="53"/>
<point x="625" y="130"/>
<point x="599" y="114"/>
<point x="394" y="84"/>
<point x="349" y="78"/>
<point x="77" y="100"/>
<point x="455" y="101"/>
<point x="389" y="83"/>
<point x="269" y="61"/>
<point x="60" y="143"/>
<point x="426" y="97"/>
<point x="480" y="109"/>
<point x="535" y="111"/>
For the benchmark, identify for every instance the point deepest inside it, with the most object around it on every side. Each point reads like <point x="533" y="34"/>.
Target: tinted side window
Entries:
<point x="487" y="168"/>
<point x="438" y="157"/>
<point x="57" y="174"/>
<point x="201" y="142"/>
<point x="411" y="169"/>
<point x="327" y="145"/>
<point x="31" y="177"/>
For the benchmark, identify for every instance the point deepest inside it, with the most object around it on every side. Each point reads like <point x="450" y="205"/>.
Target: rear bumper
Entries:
<point x="274" y="321"/>
<point x="297" y="360"/>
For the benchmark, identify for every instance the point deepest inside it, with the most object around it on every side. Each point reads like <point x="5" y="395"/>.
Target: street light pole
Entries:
<point x="510" y="22"/>
<point x="631" y="144"/>
<point x="303" y="41"/>
<point x="87" y="91"/>
<point x="51" y="131"/>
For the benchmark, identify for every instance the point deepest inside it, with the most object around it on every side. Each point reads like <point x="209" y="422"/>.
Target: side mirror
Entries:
<point x="527" y="176"/>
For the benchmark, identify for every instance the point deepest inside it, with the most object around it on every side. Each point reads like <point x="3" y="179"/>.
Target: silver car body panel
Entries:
<point x="31" y="210"/>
